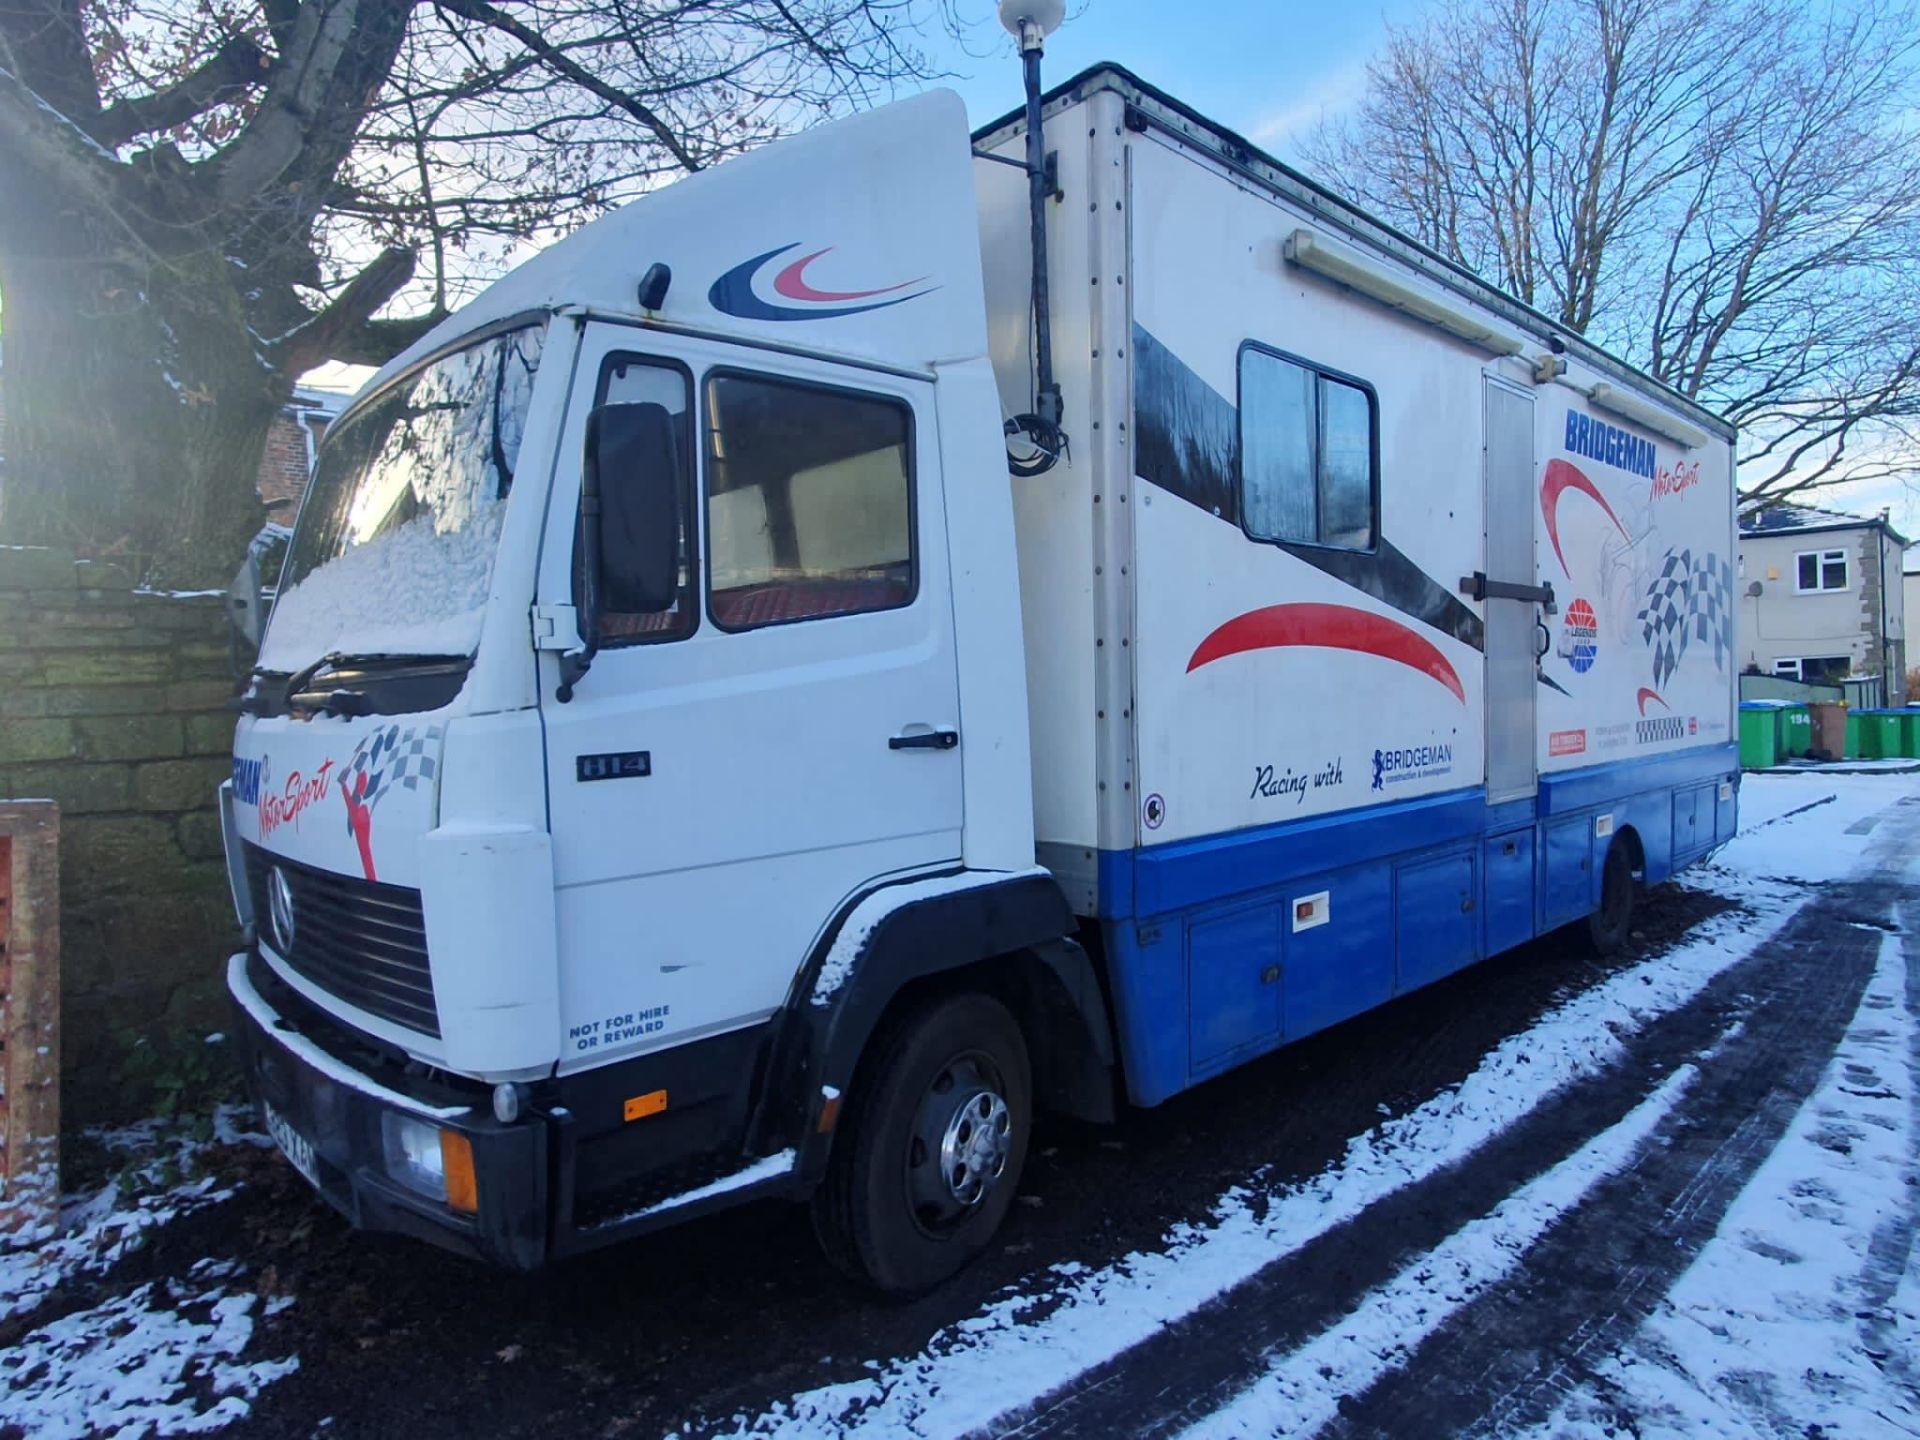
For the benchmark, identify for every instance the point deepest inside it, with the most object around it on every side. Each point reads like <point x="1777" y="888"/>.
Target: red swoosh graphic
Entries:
<point x="1327" y="627"/>
<point x="1654" y="695"/>
<point x="792" y="284"/>
<point x="1560" y="477"/>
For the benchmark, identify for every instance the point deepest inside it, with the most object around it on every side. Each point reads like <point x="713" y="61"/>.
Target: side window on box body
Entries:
<point x="635" y="380"/>
<point x="1308" y="472"/>
<point x="809" y="502"/>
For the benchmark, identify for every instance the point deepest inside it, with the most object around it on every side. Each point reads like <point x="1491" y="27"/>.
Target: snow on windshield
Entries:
<point x="394" y="550"/>
<point x="416" y="590"/>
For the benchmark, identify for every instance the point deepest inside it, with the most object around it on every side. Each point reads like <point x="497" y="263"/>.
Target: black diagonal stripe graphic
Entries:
<point x="1186" y="439"/>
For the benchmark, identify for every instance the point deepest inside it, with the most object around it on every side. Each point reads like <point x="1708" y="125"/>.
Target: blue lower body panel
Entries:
<point x="1222" y="948"/>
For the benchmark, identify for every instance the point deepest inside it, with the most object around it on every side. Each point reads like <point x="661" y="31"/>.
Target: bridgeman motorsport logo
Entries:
<point x="253" y="785"/>
<point x="1417" y="762"/>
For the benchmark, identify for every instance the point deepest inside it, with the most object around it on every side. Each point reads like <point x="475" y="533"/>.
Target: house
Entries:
<point x="291" y="446"/>
<point x="1910" y="584"/>
<point x="1818" y="600"/>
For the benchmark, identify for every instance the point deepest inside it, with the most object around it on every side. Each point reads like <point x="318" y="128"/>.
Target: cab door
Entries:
<point x="738" y="764"/>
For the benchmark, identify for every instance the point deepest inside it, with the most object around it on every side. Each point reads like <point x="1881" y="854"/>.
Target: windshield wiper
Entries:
<point x="298" y="692"/>
<point x="297" y="682"/>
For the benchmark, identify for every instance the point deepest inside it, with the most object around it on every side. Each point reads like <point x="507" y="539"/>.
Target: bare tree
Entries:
<point x="1728" y="194"/>
<point x="201" y="201"/>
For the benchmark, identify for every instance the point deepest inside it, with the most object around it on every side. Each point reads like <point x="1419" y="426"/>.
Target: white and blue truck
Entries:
<point x="781" y="687"/>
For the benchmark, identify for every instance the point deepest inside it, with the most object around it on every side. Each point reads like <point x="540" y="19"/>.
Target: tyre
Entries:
<point x="928" y="1156"/>
<point x="1609" y="926"/>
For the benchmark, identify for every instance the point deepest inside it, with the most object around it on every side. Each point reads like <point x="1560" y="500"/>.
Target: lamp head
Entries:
<point x="1031" y="21"/>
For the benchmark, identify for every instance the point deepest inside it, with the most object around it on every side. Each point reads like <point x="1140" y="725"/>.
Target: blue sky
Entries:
<point x="1266" y="70"/>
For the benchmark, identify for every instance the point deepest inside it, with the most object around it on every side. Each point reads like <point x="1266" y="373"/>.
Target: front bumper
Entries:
<point x="336" y="1106"/>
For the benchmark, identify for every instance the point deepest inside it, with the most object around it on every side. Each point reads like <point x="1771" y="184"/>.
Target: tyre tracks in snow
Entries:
<point x="1514" y="1336"/>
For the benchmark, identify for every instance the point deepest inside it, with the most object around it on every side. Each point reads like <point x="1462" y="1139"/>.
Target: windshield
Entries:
<point x="394" y="551"/>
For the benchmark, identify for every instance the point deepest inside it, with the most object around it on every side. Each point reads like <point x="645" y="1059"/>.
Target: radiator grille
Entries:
<point x="359" y="940"/>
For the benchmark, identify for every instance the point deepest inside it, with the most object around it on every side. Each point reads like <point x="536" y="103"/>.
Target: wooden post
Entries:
<point x="29" y="1014"/>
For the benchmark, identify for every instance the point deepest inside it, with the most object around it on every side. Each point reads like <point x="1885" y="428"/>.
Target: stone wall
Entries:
<point x="114" y="703"/>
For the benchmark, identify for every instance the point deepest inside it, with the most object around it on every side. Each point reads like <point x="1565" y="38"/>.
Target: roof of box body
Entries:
<point x="1155" y="108"/>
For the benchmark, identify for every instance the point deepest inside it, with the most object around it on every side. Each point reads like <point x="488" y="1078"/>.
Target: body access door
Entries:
<point x="1511" y="590"/>
<point x="739" y="763"/>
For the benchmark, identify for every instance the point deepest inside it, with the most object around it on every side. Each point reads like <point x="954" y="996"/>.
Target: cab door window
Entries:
<point x="809" y="502"/>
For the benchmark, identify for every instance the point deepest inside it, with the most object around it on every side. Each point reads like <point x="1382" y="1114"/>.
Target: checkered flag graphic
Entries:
<point x="391" y="757"/>
<point x="1665" y="612"/>
<point x="1710" y="607"/>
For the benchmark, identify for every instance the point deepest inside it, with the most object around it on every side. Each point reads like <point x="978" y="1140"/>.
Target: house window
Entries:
<point x="809" y="502"/>
<point x="1816" y="571"/>
<point x="1309" y="472"/>
<point x="1814" y="669"/>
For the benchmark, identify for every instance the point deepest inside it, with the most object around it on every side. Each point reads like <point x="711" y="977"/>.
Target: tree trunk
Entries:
<point x="137" y="409"/>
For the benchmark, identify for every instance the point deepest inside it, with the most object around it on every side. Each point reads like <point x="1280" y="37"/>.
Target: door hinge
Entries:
<point x="555" y="627"/>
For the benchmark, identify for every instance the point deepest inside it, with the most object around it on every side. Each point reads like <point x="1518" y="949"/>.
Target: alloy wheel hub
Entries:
<point x="973" y="1152"/>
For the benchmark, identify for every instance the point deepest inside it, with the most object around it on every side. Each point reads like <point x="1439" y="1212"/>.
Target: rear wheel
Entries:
<point x="1609" y="926"/>
<point x="927" y="1159"/>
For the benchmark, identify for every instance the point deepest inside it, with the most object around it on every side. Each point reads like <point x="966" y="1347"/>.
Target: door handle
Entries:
<point x="925" y="740"/>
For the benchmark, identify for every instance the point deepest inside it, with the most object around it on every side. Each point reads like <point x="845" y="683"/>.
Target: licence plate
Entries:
<point x="295" y="1146"/>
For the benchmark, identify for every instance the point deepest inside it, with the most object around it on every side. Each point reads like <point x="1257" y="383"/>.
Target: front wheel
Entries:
<point x="1610" y="925"/>
<point x="928" y="1157"/>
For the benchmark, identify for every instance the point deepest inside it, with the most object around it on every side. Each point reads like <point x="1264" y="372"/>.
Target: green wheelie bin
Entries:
<point x="1759" y="736"/>
<point x="1881" y="734"/>
<point x="1910" y="732"/>
<point x="1796" y="729"/>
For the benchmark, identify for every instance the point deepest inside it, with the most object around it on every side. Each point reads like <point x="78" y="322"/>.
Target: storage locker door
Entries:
<point x="1512" y="652"/>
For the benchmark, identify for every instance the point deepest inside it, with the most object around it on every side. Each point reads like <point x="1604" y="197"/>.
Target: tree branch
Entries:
<point x="236" y="65"/>
<point x="378" y="341"/>
<point x="320" y="337"/>
<point x="331" y="65"/>
<point x="496" y="20"/>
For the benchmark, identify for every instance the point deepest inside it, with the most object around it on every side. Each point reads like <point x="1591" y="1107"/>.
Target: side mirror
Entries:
<point x="628" y="542"/>
<point x="246" y="606"/>
<point x="633" y="460"/>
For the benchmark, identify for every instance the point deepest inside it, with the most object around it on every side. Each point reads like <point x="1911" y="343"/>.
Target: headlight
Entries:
<point x="430" y="1161"/>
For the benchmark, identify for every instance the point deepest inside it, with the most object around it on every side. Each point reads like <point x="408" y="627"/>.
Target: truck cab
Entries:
<point x="648" y="650"/>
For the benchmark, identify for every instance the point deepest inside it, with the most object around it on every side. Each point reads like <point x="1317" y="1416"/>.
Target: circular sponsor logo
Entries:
<point x="1154" y="812"/>
<point x="1580" y="637"/>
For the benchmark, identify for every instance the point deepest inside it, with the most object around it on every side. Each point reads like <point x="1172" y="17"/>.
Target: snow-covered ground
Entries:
<point x="1802" y="1316"/>
<point x="162" y="1359"/>
<point x="1794" y="1311"/>
<point x="1782" y="1289"/>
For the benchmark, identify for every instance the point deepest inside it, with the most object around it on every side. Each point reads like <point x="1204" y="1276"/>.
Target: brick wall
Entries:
<point x="283" y="468"/>
<point x="114" y="703"/>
